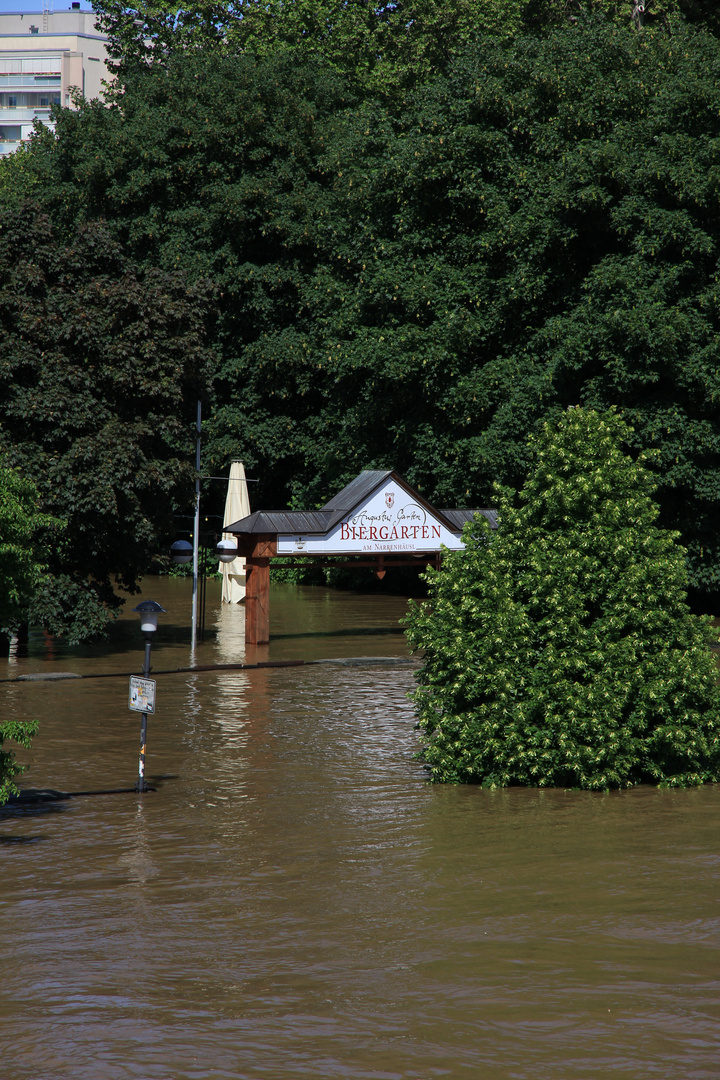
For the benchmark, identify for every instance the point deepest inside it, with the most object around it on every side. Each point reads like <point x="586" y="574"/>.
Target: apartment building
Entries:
<point x="43" y="55"/>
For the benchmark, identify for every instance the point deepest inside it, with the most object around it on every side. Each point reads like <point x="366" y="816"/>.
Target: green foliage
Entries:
<point x="560" y="651"/>
<point x="22" y="569"/>
<point x="380" y="48"/>
<point x="100" y="362"/>
<point x="420" y="278"/>
<point x="21" y="733"/>
<point x="227" y="187"/>
<point x="537" y="231"/>
<point x="384" y="49"/>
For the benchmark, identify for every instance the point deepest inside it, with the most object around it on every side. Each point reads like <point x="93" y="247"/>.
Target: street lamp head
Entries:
<point x="226" y="551"/>
<point x="148" y="611"/>
<point x="181" y="551"/>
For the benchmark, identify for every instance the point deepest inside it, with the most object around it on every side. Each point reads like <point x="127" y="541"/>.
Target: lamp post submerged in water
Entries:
<point x="148" y="611"/>
<point x="182" y="552"/>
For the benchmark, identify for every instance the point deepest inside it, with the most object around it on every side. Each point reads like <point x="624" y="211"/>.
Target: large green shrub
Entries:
<point x="560" y="651"/>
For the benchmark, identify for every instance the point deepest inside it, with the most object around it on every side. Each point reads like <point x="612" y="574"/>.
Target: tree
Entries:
<point x="561" y="651"/>
<point x="383" y="48"/>
<point x="232" y="188"/>
<point x="538" y="231"/>
<point x="22" y="568"/>
<point x="419" y="280"/>
<point x="101" y="363"/>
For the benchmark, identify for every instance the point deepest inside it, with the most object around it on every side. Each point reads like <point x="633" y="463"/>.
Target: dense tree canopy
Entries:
<point x="541" y="230"/>
<point x="383" y="48"/>
<point x="560" y="651"/>
<point x="233" y="188"/>
<point x="414" y="275"/>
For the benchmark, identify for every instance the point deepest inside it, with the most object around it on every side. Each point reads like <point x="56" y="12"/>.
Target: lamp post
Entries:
<point x="148" y="611"/>
<point x="182" y="552"/>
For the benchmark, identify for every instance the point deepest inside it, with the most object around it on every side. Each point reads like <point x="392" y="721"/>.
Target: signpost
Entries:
<point x="142" y="691"/>
<point x="142" y="700"/>
<point x="142" y="695"/>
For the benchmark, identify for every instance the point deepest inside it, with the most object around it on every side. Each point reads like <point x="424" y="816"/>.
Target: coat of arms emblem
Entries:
<point x="389" y="499"/>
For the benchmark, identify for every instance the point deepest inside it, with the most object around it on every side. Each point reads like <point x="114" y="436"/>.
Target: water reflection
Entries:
<point x="138" y="861"/>
<point x="229" y="622"/>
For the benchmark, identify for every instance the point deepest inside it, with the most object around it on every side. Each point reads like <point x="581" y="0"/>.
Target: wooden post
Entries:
<point x="257" y="589"/>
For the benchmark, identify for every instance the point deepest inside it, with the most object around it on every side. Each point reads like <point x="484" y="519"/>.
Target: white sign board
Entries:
<point x="389" y="521"/>
<point x="142" y="694"/>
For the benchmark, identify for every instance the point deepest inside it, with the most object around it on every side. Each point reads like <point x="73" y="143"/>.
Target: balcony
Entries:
<point x="23" y="114"/>
<point x="9" y="83"/>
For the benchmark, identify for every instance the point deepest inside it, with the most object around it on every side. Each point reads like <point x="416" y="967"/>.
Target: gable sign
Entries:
<point x="388" y="521"/>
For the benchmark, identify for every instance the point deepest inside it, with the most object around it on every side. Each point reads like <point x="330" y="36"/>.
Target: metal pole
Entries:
<point x="196" y="531"/>
<point x="204" y="592"/>
<point x="141" y="785"/>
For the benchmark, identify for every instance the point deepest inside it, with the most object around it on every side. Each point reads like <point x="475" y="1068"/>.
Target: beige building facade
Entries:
<point x="43" y="56"/>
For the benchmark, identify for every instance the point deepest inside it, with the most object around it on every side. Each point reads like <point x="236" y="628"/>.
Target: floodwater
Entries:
<point x="295" y="900"/>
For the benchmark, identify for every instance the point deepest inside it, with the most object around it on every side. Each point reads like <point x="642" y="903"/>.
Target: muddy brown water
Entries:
<point x="295" y="900"/>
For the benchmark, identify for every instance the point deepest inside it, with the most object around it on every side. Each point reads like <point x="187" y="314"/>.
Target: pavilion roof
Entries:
<point x="319" y="522"/>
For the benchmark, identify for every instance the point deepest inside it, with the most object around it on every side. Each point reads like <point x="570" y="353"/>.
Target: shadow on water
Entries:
<point x="33" y="801"/>
<point x="16" y="810"/>
<point x="18" y="841"/>
<point x="159" y="780"/>
<point x="366" y="631"/>
<point x="298" y="613"/>
<point x="121" y="638"/>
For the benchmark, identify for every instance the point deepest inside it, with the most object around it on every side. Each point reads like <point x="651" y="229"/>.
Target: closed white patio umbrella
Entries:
<point x="237" y="506"/>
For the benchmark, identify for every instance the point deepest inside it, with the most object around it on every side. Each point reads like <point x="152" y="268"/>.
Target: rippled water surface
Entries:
<point x="294" y="900"/>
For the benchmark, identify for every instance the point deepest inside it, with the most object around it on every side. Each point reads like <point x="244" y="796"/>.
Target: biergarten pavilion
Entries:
<point x="377" y="521"/>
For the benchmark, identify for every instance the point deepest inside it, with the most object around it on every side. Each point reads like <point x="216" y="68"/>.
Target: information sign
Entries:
<point x="142" y="694"/>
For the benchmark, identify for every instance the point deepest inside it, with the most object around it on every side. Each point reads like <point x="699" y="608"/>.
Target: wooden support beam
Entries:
<point x="257" y="590"/>
<point x="257" y="601"/>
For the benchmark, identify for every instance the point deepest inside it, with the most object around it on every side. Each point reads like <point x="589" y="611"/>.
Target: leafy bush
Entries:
<point x="21" y="571"/>
<point x="561" y="651"/>
<point x="21" y="733"/>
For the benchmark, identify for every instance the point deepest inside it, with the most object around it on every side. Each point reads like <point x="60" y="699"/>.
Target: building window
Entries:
<point x="10" y="133"/>
<point x="12" y="101"/>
